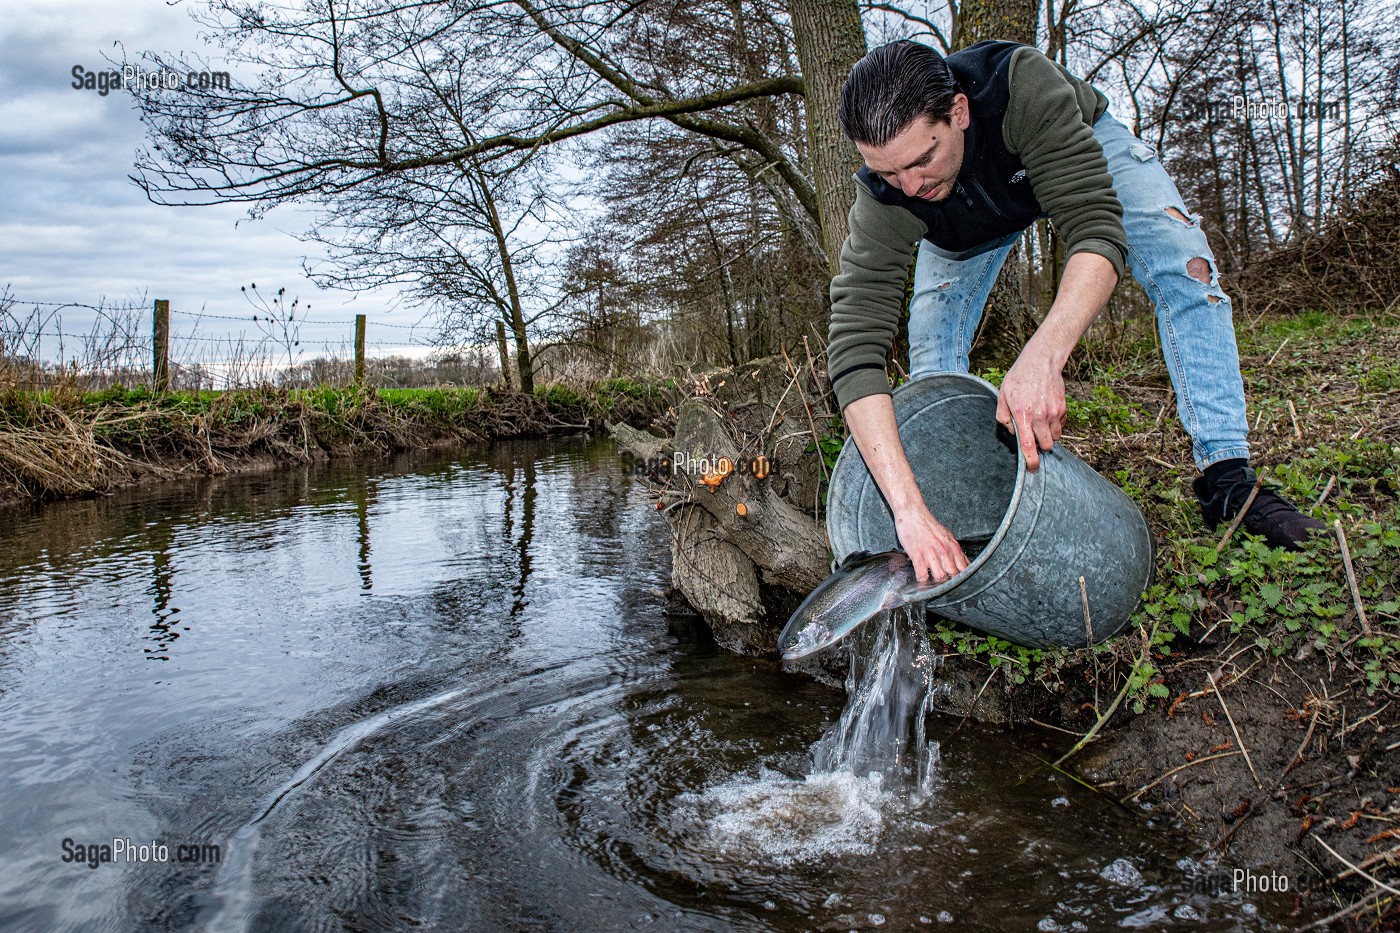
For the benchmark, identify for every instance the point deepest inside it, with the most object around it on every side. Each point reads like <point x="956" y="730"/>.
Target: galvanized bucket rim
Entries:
<point x="958" y="579"/>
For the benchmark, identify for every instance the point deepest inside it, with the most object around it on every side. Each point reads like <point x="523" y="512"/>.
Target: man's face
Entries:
<point x="925" y="158"/>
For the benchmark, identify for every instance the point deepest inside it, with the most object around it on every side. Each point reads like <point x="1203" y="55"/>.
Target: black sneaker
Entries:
<point x="1271" y="516"/>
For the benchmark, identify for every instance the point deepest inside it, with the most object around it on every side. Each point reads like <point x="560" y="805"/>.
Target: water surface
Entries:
<point x="443" y="691"/>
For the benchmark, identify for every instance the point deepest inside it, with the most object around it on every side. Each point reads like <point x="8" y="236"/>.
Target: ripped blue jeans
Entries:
<point x="1170" y="258"/>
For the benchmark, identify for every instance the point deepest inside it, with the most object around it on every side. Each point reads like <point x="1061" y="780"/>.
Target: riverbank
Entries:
<point x="65" y="443"/>
<point x="1248" y="701"/>
<point x="1257" y="692"/>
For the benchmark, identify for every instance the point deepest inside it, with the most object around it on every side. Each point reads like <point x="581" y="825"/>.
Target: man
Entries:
<point x="961" y="155"/>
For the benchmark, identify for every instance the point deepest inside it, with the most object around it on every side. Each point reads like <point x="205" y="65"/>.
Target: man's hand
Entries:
<point x="1032" y="397"/>
<point x="932" y="549"/>
<point x="1032" y="404"/>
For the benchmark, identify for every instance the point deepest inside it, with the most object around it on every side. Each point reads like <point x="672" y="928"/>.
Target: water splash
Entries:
<point x="773" y="819"/>
<point x="890" y="690"/>
<point x="876" y="758"/>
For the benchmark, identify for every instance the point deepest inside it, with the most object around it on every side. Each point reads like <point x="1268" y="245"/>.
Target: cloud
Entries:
<point x="73" y="227"/>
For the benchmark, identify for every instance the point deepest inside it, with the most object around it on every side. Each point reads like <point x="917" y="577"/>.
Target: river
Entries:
<point x="443" y="691"/>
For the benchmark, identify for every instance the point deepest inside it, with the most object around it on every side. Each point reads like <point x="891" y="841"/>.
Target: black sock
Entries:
<point x="1218" y="471"/>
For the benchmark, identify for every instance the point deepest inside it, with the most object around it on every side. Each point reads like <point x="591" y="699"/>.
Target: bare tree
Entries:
<point x="830" y="40"/>
<point x="1270" y="113"/>
<point x="472" y="245"/>
<point x="352" y="101"/>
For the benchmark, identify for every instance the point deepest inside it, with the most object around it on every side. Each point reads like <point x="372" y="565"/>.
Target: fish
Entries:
<point x="863" y="586"/>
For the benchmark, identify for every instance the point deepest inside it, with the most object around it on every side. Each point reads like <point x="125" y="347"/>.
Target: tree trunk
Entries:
<point x="1012" y="20"/>
<point x="504" y="352"/>
<point x="1008" y="320"/>
<point x="513" y="311"/>
<point x="830" y="40"/>
<point x="524" y="364"/>
<point x="718" y="580"/>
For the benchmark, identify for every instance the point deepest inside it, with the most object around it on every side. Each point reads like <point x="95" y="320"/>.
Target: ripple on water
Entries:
<point x="496" y="727"/>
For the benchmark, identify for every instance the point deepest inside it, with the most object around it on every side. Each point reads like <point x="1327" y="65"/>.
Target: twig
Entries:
<point x="1360" y="871"/>
<point x="1235" y="729"/>
<point x="1330" y="483"/>
<point x="777" y="408"/>
<point x="1345" y="912"/>
<point x="1075" y="778"/>
<point x="1094" y="729"/>
<point x="1206" y="634"/>
<point x="811" y="365"/>
<point x="1089" y="639"/>
<point x="1108" y="713"/>
<point x="811" y="421"/>
<point x="1046" y="725"/>
<point x="1169" y="466"/>
<point x="1190" y="764"/>
<point x="1371" y="715"/>
<point x="1258" y="482"/>
<point x="1278" y="351"/>
<point x="816" y="438"/>
<point x="1367" y="862"/>
<point x="1298" y="755"/>
<point x="1293" y="413"/>
<point x="985" y="685"/>
<point x="1351" y="578"/>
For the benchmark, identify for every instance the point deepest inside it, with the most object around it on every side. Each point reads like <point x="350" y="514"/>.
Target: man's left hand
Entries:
<point x="1032" y="403"/>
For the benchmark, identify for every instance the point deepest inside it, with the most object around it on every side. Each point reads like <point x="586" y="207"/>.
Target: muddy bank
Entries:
<point x="58" y="445"/>
<point x="1262" y="716"/>
<point x="1318" y="767"/>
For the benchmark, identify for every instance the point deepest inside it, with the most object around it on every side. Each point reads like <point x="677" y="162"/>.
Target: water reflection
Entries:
<point x="163" y="629"/>
<point x="361" y="491"/>
<point x="523" y="490"/>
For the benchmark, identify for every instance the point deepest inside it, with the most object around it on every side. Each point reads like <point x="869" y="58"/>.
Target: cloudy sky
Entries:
<point x="73" y="228"/>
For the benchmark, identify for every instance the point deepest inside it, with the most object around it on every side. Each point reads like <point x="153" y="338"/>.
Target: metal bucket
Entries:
<point x="1039" y="532"/>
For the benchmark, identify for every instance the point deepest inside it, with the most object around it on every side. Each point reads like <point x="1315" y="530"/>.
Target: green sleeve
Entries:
<point x="1049" y="125"/>
<point x="867" y="295"/>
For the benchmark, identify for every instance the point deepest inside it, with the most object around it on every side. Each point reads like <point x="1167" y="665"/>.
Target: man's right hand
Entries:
<point x="934" y="552"/>
<point x="932" y="549"/>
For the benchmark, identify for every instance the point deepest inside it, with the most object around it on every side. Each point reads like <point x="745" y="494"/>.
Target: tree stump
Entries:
<point x="741" y="484"/>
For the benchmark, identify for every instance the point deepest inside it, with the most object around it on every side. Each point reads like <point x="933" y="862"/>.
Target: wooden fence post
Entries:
<point x="359" y="349"/>
<point x="160" y="344"/>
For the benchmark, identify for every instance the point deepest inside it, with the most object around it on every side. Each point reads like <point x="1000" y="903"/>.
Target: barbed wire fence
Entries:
<point x="124" y="344"/>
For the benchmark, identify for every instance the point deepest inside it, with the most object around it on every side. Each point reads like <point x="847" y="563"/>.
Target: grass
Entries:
<point x="64" y="441"/>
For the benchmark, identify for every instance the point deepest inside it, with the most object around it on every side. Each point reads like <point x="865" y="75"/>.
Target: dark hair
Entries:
<point x="893" y="86"/>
